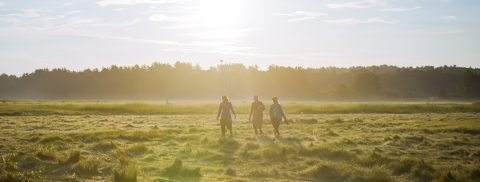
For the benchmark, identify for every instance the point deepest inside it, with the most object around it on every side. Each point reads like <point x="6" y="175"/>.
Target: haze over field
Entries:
<point x="81" y="34"/>
<point x="165" y="90"/>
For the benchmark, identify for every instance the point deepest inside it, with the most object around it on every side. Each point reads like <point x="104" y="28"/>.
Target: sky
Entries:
<point x="81" y="34"/>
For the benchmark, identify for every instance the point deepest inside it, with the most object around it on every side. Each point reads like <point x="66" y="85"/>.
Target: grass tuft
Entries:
<point x="373" y="159"/>
<point x="324" y="172"/>
<point x="230" y="171"/>
<point x="74" y="157"/>
<point x="190" y="172"/>
<point x="447" y="177"/>
<point x="177" y="168"/>
<point x="306" y="121"/>
<point x="138" y="149"/>
<point x="128" y="174"/>
<point x="105" y="146"/>
<point x="174" y="169"/>
<point x="55" y="138"/>
<point x="47" y="154"/>
<point x="333" y="134"/>
<point x="252" y="146"/>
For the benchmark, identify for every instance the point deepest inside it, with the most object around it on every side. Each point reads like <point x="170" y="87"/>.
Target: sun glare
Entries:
<point x="219" y="13"/>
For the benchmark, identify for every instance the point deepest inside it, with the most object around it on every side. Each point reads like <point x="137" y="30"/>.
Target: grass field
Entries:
<point x="115" y="141"/>
<point x="21" y="108"/>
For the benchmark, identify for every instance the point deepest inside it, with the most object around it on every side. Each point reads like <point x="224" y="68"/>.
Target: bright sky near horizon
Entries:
<point x="80" y="34"/>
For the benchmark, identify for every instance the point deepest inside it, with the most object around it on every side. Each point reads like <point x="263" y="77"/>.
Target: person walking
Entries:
<point x="226" y="119"/>
<point x="257" y="111"/>
<point x="276" y="114"/>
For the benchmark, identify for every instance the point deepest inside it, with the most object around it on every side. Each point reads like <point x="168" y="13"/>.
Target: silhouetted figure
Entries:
<point x="276" y="114"/>
<point x="257" y="111"/>
<point x="226" y="119"/>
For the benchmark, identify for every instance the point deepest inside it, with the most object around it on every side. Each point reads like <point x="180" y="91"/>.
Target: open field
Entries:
<point x="359" y="146"/>
<point x="19" y="108"/>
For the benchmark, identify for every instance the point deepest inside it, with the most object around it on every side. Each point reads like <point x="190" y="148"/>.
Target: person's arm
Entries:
<point x="270" y="112"/>
<point x="219" y="110"/>
<point x="281" y="111"/>
<point x="251" y="111"/>
<point x="233" y="111"/>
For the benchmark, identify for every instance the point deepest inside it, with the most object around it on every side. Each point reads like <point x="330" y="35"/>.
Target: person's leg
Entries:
<point x="229" y="126"/>
<point x="276" y="123"/>
<point x="222" y="124"/>
<point x="278" y="126"/>
<point x="273" y="124"/>
<point x="254" y="123"/>
<point x="259" y="124"/>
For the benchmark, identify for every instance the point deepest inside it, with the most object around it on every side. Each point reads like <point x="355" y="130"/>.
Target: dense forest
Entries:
<point x="184" y="81"/>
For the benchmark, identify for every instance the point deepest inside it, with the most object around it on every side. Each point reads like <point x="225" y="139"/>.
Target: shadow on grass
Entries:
<point x="183" y="173"/>
<point x="228" y="146"/>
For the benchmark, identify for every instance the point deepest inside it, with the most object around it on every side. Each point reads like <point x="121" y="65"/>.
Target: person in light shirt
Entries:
<point x="226" y="119"/>
<point x="276" y="114"/>
<point x="257" y="111"/>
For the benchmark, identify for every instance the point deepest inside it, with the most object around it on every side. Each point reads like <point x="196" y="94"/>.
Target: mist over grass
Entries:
<point x="17" y="108"/>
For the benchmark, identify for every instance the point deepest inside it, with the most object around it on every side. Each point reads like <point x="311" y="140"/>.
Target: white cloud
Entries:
<point x="133" y="2"/>
<point x="29" y="13"/>
<point x="450" y="17"/>
<point x="158" y="17"/>
<point x="401" y="9"/>
<point x="223" y="34"/>
<point x="9" y="20"/>
<point x="162" y="42"/>
<point x="67" y="4"/>
<point x="370" y="20"/>
<point x="119" y="9"/>
<point x="306" y="13"/>
<point x="221" y="47"/>
<point x="280" y="14"/>
<point x="449" y="32"/>
<point x="183" y="26"/>
<point x="1" y="4"/>
<point x="72" y="12"/>
<point x="152" y="6"/>
<point x="304" y="18"/>
<point x="161" y="17"/>
<point x="364" y="4"/>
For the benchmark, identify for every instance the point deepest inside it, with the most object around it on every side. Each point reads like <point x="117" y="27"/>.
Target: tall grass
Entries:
<point x="152" y="108"/>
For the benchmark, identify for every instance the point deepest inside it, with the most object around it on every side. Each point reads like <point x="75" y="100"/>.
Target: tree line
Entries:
<point x="185" y="81"/>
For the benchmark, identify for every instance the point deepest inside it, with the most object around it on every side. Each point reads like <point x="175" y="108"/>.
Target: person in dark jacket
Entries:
<point x="226" y="119"/>
<point x="257" y="111"/>
<point x="276" y="114"/>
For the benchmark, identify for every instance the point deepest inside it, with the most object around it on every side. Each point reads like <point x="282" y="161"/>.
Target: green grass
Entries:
<point x="86" y="108"/>
<point x="188" y="147"/>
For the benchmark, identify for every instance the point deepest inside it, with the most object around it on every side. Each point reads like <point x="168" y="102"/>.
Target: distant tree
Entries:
<point x="342" y="92"/>
<point x="470" y="83"/>
<point x="391" y="93"/>
<point x="408" y="94"/>
<point x="468" y="79"/>
<point x="181" y="80"/>
<point x="452" y="95"/>
<point x="442" y="94"/>
<point x="366" y="84"/>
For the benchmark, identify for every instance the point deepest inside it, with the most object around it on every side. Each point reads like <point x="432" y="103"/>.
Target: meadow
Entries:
<point x="150" y="141"/>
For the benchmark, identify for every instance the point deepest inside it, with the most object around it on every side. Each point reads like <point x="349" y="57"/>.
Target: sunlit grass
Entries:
<point x="421" y="146"/>
<point x="155" y="108"/>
